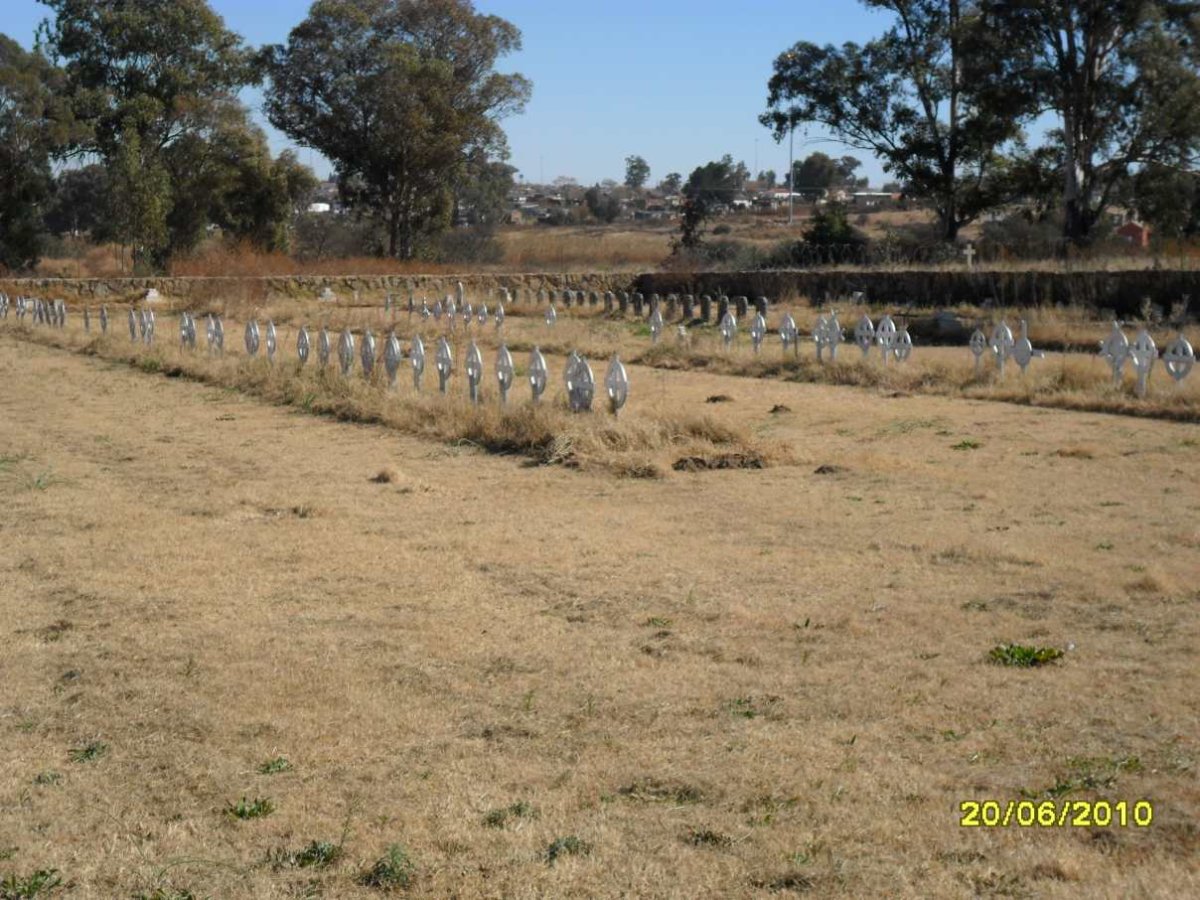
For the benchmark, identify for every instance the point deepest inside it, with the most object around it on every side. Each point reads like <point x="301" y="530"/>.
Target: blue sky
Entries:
<point x="679" y="82"/>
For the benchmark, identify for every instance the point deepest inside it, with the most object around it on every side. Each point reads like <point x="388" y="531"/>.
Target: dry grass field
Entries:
<point x="620" y="247"/>
<point x="254" y="652"/>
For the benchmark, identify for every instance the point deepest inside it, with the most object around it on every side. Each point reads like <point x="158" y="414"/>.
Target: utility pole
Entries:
<point x="792" y="175"/>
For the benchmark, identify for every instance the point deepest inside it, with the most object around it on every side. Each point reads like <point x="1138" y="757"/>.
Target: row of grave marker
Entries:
<point x="1178" y="358"/>
<point x="578" y="377"/>
<point x="686" y="307"/>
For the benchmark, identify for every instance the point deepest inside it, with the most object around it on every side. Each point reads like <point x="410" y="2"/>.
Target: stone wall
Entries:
<point x="1121" y="292"/>
<point x="274" y="287"/>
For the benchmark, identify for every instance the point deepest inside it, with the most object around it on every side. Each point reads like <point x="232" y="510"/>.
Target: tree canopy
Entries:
<point x="709" y="187"/>
<point x="153" y="84"/>
<point x="928" y="98"/>
<point x="34" y="125"/>
<point x="637" y="172"/>
<point x="1123" y="77"/>
<point x="399" y="96"/>
<point x="820" y="171"/>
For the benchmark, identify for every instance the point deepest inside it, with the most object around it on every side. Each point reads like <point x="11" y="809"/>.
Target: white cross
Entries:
<point x="969" y="253"/>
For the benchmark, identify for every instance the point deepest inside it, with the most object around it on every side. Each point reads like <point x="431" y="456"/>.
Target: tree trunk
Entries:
<point x="1076" y="226"/>
<point x="948" y="217"/>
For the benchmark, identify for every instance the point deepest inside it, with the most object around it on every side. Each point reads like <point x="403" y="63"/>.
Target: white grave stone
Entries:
<point x="324" y="347"/>
<point x="728" y="329"/>
<point x="1179" y="358"/>
<point x="346" y="352"/>
<point x="864" y="334"/>
<point x="416" y="355"/>
<point x="758" y="331"/>
<point x="885" y="337"/>
<point x="833" y="334"/>
<point x="367" y="354"/>
<point x="616" y="385"/>
<point x="789" y="334"/>
<point x="392" y="355"/>
<point x="1143" y="354"/>
<point x="474" y="369"/>
<point x="979" y="346"/>
<point x="1023" y="351"/>
<point x="443" y="361"/>
<point x="302" y="345"/>
<point x="1115" y="350"/>
<point x="505" y="372"/>
<point x="537" y="374"/>
<point x="820" y="337"/>
<point x="1002" y="344"/>
<point x="581" y="385"/>
<point x="251" y="337"/>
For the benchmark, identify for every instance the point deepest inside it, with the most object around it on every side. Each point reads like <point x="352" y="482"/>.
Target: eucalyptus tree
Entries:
<point x="401" y="96"/>
<point x="1122" y="77"/>
<point x="34" y="125"/>
<point x="930" y="98"/>
<point x="143" y="75"/>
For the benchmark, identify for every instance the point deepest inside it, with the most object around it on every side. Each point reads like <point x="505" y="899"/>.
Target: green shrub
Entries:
<point x="1023" y="657"/>
<point x="395" y="869"/>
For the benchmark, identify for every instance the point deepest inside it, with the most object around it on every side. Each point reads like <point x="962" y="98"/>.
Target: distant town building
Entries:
<point x="873" y="199"/>
<point x="1135" y="233"/>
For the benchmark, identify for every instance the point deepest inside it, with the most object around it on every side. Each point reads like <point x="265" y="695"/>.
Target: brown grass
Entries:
<point x="1075" y="379"/>
<point x="1079" y="381"/>
<point x="639" y="445"/>
<point x="721" y="685"/>
<point x="536" y="249"/>
<point x="245" y="262"/>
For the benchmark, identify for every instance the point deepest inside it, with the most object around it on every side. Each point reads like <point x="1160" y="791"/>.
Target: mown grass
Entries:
<point x="339" y="659"/>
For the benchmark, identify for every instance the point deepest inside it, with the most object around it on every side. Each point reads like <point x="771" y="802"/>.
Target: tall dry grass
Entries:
<point x="243" y="261"/>
<point x="579" y="249"/>
<point x="638" y="444"/>
<point x="1067" y="380"/>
